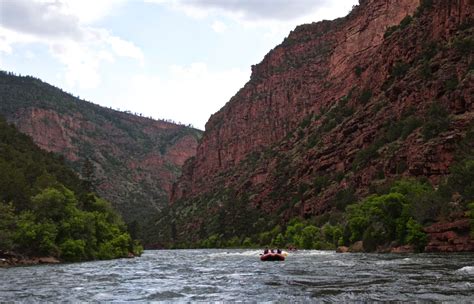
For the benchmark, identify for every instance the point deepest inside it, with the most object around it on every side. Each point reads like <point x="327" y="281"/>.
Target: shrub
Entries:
<point x="247" y="243"/>
<point x="313" y="140"/>
<point x="234" y="242"/>
<point x="405" y="22"/>
<point x="437" y="121"/>
<point x="375" y="216"/>
<point x="415" y="235"/>
<point x="279" y="241"/>
<point x="471" y="215"/>
<point x="73" y="250"/>
<point x="309" y="235"/>
<point x="332" y="234"/>
<point x="343" y="198"/>
<point x="461" y="179"/>
<point x="399" y="129"/>
<point x="115" y="248"/>
<point x="424" y="6"/>
<point x="410" y="124"/>
<point x="320" y="183"/>
<point x="306" y="121"/>
<point x="365" y="96"/>
<point x="364" y="156"/>
<point x="7" y="226"/>
<point x="399" y="69"/>
<point x="429" y="51"/>
<point x="389" y="31"/>
<point x="36" y="238"/>
<point x="451" y="84"/>
<point x="376" y="234"/>
<point x="425" y="205"/>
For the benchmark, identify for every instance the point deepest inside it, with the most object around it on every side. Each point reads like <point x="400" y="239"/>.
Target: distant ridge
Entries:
<point x="135" y="159"/>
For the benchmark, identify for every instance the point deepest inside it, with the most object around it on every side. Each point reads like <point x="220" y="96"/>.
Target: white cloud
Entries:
<point x="124" y="48"/>
<point x="88" y="11"/>
<point x="188" y="94"/>
<point x="277" y="17"/>
<point x="257" y="11"/>
<point x="65" y="27"/>
<point x="219" y="26"/>
<point x="81" y="64"/>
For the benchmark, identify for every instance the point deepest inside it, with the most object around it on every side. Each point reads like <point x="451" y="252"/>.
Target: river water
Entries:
<point x="228" y="275"/>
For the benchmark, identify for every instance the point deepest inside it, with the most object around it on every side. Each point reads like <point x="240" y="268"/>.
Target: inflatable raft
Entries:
<point x="272" y="257"/>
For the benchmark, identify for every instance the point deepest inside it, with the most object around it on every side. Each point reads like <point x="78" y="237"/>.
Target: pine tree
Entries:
<point x="88" y="176"/>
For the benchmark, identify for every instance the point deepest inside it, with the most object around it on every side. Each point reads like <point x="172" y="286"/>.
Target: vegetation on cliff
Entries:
<point x="374" y="140"/>
<point x="392" y="216"/>
<point x="46" y="210"/>
<point x="135" y="159"/>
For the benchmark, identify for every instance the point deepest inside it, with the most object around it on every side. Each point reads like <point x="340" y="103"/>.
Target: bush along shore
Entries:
<point x="48" y="214"/>
<point x="406" y="215"/>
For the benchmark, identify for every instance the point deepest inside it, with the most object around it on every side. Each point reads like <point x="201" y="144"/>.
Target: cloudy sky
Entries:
<point x="172" y="59"/>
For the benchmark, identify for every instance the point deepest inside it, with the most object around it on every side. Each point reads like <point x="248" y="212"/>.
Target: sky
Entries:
<point x="180" y="60"/>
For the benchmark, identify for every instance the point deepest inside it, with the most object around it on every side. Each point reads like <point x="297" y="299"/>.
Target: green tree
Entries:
<point x="279" y="240"/>
<point x="7" y="226"/>
<point x="309" y="235"/>
<point x="415" y="235"/>
<point x="88" y="174"/>
<point x="462" y="179"/>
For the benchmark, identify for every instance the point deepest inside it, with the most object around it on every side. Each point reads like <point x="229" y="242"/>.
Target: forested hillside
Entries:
<point x="46" y="210"/>
<point x="133" y="160"/>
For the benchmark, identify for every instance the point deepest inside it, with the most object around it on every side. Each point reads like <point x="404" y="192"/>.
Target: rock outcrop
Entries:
<point x="339" y="107"/>
<point x="450" y="237"/>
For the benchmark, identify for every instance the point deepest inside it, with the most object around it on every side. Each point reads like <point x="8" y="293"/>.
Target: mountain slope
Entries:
<point x="339" y="108"/>
<point x="135" y="159"/>
<point x="46" y="210"/>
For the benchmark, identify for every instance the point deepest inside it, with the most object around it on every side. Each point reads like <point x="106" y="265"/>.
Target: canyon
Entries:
<point x="337" y="110"/>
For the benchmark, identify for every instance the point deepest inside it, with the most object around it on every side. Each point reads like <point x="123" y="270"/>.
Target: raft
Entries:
<point x="272" y="257"/>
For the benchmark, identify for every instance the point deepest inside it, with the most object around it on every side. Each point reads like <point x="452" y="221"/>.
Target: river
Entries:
<point x="227" y="275"/>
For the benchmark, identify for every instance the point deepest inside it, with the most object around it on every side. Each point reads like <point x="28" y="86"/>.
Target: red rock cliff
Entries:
<point x="320" y="103"/>
<point x="291" y="82"/>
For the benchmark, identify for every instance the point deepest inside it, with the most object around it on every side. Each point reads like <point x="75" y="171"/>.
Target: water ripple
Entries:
<point x="238" y="275"/>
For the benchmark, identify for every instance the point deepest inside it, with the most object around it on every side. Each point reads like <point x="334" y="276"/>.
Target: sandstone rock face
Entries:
<point x="357" y="247"/>
<point x="291" y="82"/>
<point x="136" y="159"/>
<point x="450" y="237"/>
<point x="321" y="112"/>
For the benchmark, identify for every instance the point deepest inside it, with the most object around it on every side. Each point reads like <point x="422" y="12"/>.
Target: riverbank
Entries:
<point x="443" y="237"/>
<point x="11" y="259"/>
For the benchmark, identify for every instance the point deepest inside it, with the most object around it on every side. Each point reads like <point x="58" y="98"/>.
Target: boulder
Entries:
<point x="342" y="249"/>
<point x="357" y="247"/>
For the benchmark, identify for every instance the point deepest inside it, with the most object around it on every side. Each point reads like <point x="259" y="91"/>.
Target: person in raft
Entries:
<point x="279" y="251"/>
<point x="265" y="251"/>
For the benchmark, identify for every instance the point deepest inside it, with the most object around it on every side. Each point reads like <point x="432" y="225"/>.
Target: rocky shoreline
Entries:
<point x="11" y="259"/>
<point x="446" y="237"/>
